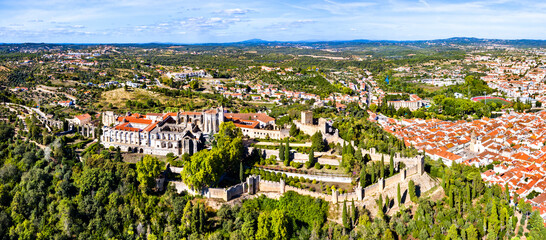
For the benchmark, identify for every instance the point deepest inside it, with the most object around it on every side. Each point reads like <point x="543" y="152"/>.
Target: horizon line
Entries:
<point x="257" y="40"/>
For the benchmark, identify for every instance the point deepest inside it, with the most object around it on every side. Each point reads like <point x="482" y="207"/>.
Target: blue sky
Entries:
<point x="198" y="21"/>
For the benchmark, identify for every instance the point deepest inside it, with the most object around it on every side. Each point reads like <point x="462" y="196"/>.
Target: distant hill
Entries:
<point x="464" y="41"/>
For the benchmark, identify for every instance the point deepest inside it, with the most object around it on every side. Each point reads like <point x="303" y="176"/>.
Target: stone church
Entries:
<point x="160" y="133"/>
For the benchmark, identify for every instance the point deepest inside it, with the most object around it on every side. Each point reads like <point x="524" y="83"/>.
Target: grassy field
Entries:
<point x="497" y="101"/>
<point x="119" y="97"/>
<point x="65" y="83"/>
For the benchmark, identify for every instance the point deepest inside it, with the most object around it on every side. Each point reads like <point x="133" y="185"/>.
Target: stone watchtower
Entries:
<point x="421" y="165"/>
<point x="108" y="118"/>
<point x="307" y="118"/>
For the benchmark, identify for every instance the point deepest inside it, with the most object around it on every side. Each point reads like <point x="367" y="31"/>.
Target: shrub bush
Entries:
<point x="295" y="164"/>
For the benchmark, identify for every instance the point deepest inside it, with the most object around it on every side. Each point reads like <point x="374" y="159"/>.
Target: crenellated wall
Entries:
<point x="255" y="184"/>
<point x="269" y="186"/>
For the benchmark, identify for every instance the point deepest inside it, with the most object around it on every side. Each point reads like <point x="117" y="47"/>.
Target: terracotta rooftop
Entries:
<point x="262" y="117"/>
<point x="83" y="117"/>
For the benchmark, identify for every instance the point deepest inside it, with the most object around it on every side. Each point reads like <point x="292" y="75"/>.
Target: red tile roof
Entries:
<point x="83" y="117"/>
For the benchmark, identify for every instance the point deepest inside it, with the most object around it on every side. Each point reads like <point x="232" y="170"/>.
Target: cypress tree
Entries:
<point x="398" y="195"/>
<point x="411" y="190"/>
<point x="473" y="189"/>
<point x="391" y="165"/>
<point x="195" y="218"/>
<point x="281" y="152"/>
<point x="344" y="216"/>
<point x="287" y="151"/>
<point x="450" y="199"/>
<point x="363" y="176"/>
<point x="118" y="157"/>
<point x="382" y="167"/>
<point x="507" y="192"/>
<point x="202" y="220"/>
<point x="380" y="206"/>
<point x="241" y="171"/>
<point x="468" y="194"/>
<point x="354" y="213"/>
<point x="373" y="173"/>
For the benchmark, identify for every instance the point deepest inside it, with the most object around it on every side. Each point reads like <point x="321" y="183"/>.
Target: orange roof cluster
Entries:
<point x="261" y="117"/>
<point x="133" y="119"/>
<point x="124" y="127"/>
<point x="83" y="117"/>
<point x="515" y="141"/>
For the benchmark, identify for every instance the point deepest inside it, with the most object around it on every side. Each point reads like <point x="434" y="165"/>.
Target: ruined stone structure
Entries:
<point x="160" y="134"/>
<point x="307" y="117"/>
<point x="308" y="126"/>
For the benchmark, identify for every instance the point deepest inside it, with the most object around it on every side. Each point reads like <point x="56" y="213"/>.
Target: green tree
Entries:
<point x="450" y="199"/>
<point x="194" y="84"/>
<point x="147" y="170"/>
<point x="294" y="131"/>
<point x="536" y="226"/>
<point x="344" y="216"/>
<point x="382" y="167"/>
<point x="493" y="223"/>
<point x="249" y="227"/>
<point x="279" y="224"/>
<point x="507" y="191"/>
<point x="363" y="177"/>
<point x="373" y="169"/>
<point x="354" y="213"/>
<point x="202" y="218"/>
<point x="373" y="107"/>
<point x="241" y="171"/>
<point x="311" y="159"/>
<point x="206" y="166"/>
<point x="398" y="195"/>
<point x="287" y="153"/>
<point x="411" y="191"/>
<point x="186" y="222"/>
<point x="204" y="169"/>
<point x="281" y="152"/>
<point x="391" y="166"/>
<point x="379" y="203"/>
<point x="471" y="233"/>
<point x="264" y="226"/>
<point x="118" y="157"/>
<point x="317" y="142"/>
<point x="452" y="233"/>
<point x="194" y="223"/>
<point x="387" y="235"/>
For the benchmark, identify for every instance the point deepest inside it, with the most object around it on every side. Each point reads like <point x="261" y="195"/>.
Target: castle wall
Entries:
<point x="269" y="186"/>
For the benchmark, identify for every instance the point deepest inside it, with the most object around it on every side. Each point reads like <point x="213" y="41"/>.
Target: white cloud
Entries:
<point x="234" y="11"/>
<point x="424" y="2"/>
<point x="290" y="25"/>
<point x="341" y="8"/>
